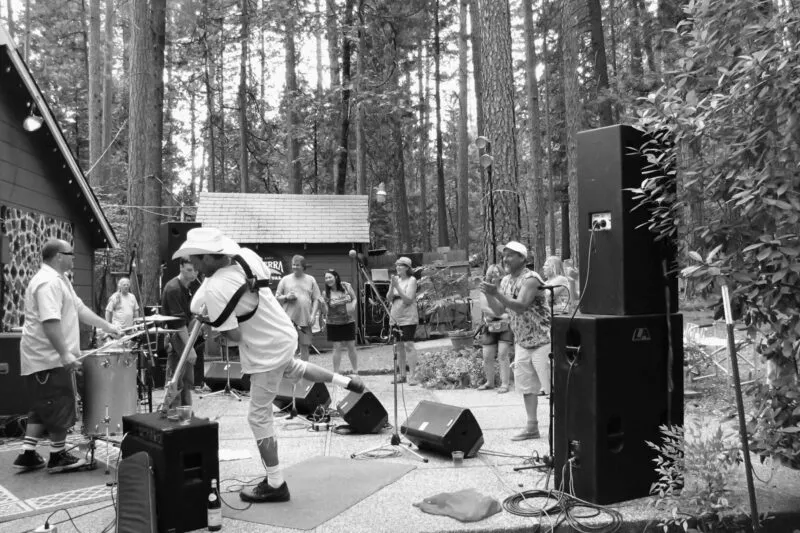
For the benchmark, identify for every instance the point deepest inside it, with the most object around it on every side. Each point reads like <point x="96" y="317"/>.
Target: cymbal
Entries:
<point x="159" y="331"/>
<point x="158" y="318"/>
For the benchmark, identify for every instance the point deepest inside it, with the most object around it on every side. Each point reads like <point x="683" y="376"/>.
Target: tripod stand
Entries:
<point x="395" y="441"/>
<point x="228" y="390"/>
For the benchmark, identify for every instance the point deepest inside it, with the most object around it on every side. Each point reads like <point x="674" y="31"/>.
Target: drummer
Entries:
<point x="122" y="306"/>
<point x="175" y="301"/>
<point x="48" y="349"/>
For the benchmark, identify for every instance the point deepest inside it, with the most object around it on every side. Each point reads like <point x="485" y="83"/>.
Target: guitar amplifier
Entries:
<point x="185" y="459"/>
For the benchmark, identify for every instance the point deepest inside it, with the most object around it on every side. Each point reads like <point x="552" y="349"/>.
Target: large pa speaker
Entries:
<point x="184" y="459"/>
<point x="307" y="396"/>
<point x="171" y="236"/>
<point x="16" y="400"/>
<point x="626" y="276"/>
<point x="611" y="392"/>
<point x="216" y="376"/>
<point x="443" y="428"/>
<point x="364" y="413"/>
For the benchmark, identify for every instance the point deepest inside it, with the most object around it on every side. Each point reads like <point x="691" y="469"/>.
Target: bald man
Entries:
<point x="49" y="349"/>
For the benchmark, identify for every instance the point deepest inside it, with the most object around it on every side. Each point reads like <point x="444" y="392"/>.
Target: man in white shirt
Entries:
<point x="122" y="306"/>
<point x="266" y="337"/>
<point x="49" y="349"/>
<point x="299" y="294"/>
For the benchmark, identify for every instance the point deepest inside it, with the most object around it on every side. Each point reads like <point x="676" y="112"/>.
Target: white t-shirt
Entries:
<point x="123" y="308"/>
<point x="48" y="296"/>
<point x="269" y="339"/>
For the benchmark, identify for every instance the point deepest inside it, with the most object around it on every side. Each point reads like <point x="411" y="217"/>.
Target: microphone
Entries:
<point x="355" y="255"/>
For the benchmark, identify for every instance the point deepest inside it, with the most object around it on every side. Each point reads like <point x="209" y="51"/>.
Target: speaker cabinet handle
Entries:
<point x="4" y="369"/>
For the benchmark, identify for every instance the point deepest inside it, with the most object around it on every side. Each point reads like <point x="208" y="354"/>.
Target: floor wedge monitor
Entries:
<point x="443" y="428"/>
<point x="364" y="413"/>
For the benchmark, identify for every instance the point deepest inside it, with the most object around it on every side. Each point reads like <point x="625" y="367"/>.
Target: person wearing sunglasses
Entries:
<point x="49" y="349"/>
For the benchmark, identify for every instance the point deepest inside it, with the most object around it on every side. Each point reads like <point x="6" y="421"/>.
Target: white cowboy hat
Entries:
<point x="514" y="246"/>
<point x="201" y="241"/>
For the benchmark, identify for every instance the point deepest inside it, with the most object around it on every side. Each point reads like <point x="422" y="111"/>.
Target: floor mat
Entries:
<point x="27" y="493"/>
<point x="321" y="488"/>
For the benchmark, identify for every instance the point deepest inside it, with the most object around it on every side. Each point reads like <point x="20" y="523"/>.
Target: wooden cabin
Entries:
<point x="43" y="194"/>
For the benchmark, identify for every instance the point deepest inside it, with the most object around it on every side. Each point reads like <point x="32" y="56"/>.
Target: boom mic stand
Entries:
<point x="395" y="441"/>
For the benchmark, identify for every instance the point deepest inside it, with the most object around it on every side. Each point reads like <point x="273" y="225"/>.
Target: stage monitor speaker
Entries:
<point x="185" y="460"/>
<point x="16" y="401"/>
<point x="443" y="428"/>
<point x="216" y="376"/>
<point x="364" y="413"/>
<point x="611" y="392"/>
<point x="171" y="236"/>
<point x="626" y="276"/>
<point x="307" y="396"/>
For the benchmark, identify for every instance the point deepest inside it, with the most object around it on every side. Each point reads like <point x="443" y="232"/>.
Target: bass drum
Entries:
<point x="109" y="391"/>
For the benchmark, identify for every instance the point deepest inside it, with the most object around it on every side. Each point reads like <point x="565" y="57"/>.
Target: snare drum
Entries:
<point x="109" y="391"/>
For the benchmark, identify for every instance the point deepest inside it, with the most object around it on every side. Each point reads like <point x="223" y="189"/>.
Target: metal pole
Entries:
<point x="737" y="388"/>
<point x="491" y="213"/>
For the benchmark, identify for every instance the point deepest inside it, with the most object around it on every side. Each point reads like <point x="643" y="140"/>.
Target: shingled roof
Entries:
<point x="290" y="218"/>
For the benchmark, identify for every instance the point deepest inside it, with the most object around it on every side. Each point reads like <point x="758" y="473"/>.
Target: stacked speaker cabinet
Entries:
<point x="617" y="365"/>
<point x="171" y="236"/>
<point x="184" y="459"/>
<point x="626" y="276"/>
<point x="612" y="390"/>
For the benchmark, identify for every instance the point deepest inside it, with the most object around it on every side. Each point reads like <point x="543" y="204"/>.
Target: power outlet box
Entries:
<point x="601" y="221"/>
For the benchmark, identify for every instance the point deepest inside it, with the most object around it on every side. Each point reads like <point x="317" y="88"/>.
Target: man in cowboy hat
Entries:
<point x="521" y="296"/>
<point x="267" y="342"/>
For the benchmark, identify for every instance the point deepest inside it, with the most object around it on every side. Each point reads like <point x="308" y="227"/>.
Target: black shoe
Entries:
<point x="356" y="385"/>
<point x="63" y="462"/>
<point x="263" y="493"/>
<point x="29" y="460"/>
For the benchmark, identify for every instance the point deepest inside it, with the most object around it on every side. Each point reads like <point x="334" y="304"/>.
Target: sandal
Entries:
<point x="400" y="379"/>
<point x="502" y="390"/>
<point x="486" y="386"/>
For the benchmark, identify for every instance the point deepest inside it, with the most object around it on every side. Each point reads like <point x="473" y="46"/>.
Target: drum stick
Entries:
<point x="109" y="344"/>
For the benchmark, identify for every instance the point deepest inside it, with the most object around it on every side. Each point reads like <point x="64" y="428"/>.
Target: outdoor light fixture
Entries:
<point x="486" y="160"/>
<point x="481" y="142"/>
<point x="380" y="193"/>
<point x="32" y="122"/>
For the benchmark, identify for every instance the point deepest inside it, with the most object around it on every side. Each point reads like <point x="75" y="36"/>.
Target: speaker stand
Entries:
<point x="395" y="441"/>
<point x="228" y="390"/>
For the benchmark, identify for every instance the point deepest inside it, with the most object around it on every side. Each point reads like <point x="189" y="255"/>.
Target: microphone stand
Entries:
<point x="395" y="441"/>
<point x="134" y="275"/>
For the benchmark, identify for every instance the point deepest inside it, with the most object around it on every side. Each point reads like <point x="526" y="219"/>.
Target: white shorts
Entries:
<point x="263" y="389"/>
<point x="532" y="369"/>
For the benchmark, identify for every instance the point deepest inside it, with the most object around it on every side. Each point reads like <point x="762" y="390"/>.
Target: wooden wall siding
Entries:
<point x="27" y="232"/>
<point x="34" y="186"/>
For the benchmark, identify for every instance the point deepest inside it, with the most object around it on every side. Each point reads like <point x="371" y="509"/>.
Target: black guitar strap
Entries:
<point x="251" y="284"/>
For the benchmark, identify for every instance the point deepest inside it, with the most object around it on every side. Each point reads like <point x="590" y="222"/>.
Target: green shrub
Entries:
<point x="451" y="369"/>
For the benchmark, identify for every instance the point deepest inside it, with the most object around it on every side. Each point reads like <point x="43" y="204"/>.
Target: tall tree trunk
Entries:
<point x="498" y="103"/>
<point x="463" y="138"/>
<point x="208" y="78"/>
<point x="572" y="107"/>
<point x="318" y="103"/>
<point x="27" y="29"/>
<point x="536" y="177"/>
<point x="397" y="162"/>
<point x="104" y="168"/>
<point x="332" y="33"/>
<point x="424" y="124"/>
<point x="477" y="82"/>
<point x="193" y="185"/>
<point x="244" y="176"/>
<point x="293" y="119"/>
<point x="342" y="149"/>
<point x="144" y="162"/>
<point x="637" y="70"/>
<point x="361" y="152"/>
<point x="95" y="91"/>
<point x="551" y="198"/>
<point x="600" y="62"/>
<point x="441" y="205"/>
<point x="648" y="34"/>
<point x="612" y="9"/>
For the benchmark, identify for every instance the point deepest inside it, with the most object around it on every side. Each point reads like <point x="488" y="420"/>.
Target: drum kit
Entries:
<point x="117" y="377"/>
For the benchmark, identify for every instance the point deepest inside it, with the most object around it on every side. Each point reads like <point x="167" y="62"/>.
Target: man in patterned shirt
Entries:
<point x="521" y="296"/>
